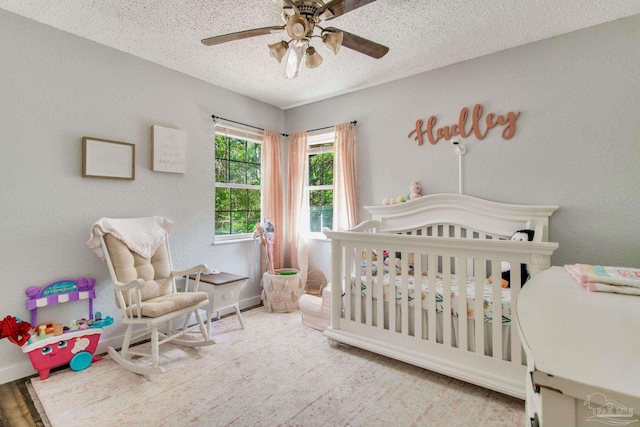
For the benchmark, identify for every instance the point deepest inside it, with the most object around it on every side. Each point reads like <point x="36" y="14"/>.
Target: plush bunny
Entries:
<point x="414" y="190"/>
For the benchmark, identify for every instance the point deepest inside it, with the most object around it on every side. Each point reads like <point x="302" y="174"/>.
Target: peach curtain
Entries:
<point x="297" y="201"/>
<point x="344" y="178"/>
<point x="272" y="201"/>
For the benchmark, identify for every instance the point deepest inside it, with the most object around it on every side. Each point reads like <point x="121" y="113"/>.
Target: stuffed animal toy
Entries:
<point x="523" y="236"/>
<point x="264" y="231"/>
<point x="414" y="190"/>
<point x="410" y="261"/>
<point x="395" y="200"/>
<point x="414" y="193"/>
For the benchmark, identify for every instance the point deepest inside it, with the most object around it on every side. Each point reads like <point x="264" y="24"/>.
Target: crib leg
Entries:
<point x="333" y="343"/>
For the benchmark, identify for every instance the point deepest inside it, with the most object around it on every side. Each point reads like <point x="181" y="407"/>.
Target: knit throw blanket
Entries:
<point x="142" y="235"/>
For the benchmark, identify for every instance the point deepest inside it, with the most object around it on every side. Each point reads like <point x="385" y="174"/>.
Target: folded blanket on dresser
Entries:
<point x="599" y="278"/>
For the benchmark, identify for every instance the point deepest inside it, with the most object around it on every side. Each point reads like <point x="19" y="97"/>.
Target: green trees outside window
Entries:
<point x="320" y="189"/>
<point x="238" y="192"/>
<point x="238" y="187"/>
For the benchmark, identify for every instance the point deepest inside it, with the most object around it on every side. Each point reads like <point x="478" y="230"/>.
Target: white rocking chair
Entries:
<point x="146" y="293"/>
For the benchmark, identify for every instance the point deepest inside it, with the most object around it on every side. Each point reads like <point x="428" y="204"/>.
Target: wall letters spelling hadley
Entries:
<point x="492" y="120"/>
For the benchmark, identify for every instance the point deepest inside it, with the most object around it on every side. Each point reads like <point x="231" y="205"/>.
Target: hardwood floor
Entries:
<point x="16" y="407"/>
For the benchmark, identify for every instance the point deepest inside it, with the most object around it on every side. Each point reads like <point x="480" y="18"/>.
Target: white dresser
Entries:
<point x="583" y="353"/>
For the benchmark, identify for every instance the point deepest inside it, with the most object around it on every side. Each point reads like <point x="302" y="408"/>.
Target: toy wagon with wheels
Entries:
<point x="50" y="347"/>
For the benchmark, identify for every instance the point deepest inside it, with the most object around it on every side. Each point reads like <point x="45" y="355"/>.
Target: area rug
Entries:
<point x="276" y="371"/>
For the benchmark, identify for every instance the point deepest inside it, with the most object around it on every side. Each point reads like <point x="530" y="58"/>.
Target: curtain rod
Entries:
<point x="214" y="117"/>
<point x="329" y="127"/>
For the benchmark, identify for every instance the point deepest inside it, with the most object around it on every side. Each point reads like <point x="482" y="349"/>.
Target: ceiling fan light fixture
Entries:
<point x="301" y="18"/>
<point x="313" y="58"/>
<point x="298" y="29"/>
<point x="294" y="59"/>
<point x="279" y="49"/>
<point x="297" y="26"/>
<point x="333" y="40"/>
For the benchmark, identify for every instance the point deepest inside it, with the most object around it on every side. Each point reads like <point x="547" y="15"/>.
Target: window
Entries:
<point x="238" y="189"/>
<point x="320" y="181"/>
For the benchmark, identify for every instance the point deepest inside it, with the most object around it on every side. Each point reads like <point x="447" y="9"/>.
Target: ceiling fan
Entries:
<point x="301" y="19"/>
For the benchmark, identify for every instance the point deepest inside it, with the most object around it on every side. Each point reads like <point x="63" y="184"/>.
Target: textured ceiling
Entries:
<point x="421" y="34"/>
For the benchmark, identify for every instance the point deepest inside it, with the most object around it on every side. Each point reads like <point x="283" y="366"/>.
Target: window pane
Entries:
<point x="327" y="198"/>
<point x="239" y="200"/>
<point x="314" y="173"/>
<point x="238" y="222"/>
<point x="253" y="152"/>
<point x="237" y="172"/>
<point x="221" y="147"/>
<point x="327" y="217"/>
<point x="223" y="202"/>
<point x="253" y="174"/>
<point x="320" y="198"/>
<point x="321" y="169"/>
<point x="253" y="204"/>
<point x="222" y="170"/>
<point x="315" y="219"/>
<point x="320" y="209"/>
<point x="223" y="225"/>
<point x="328" y="171"/>
<point x="238" y="150"/>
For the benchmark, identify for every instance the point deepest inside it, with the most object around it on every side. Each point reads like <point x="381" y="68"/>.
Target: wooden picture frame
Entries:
<point x="168" y="150"/>
<point x="102" y="158"/>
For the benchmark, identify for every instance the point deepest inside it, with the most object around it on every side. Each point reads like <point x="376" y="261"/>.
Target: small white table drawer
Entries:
<point x="224" y="292"/>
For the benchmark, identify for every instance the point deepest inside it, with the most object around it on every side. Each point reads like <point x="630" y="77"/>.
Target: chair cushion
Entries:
<point x="156" y="307"/>
<point x="128" y="266"/>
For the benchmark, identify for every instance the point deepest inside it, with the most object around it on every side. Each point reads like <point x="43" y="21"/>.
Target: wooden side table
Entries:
<point x="224" y="292"/>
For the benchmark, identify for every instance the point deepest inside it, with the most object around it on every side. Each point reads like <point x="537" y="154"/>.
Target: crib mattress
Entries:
<point x="455" y="285"/>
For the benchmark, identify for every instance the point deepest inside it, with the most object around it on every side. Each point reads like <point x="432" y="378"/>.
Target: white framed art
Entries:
<point x="169" y="149"/>
<point x="102" y="158"/>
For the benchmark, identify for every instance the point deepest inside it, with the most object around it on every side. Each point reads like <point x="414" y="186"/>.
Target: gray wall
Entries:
<point x="56" y="88"/>
<point x="576" y="143"/>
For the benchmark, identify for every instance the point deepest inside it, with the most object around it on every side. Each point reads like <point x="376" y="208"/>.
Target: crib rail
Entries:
<point x="443" y="253"/>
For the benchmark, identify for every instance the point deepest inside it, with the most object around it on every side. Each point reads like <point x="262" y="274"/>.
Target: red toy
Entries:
<point x="15" y="329"/>
<point x="48" y="348"/>
<point x="75" y="348"/>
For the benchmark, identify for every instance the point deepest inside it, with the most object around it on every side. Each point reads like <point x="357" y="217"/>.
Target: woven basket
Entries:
<point x="280" y="293"/>
<point x="315" y="282"/>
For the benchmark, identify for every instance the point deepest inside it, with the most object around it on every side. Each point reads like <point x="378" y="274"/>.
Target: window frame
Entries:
<point x="245" y="135"/>
<point x="320" y="138"/>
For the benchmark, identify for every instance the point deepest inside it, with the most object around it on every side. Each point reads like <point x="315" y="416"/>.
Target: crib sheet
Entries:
<point x="471" y="292"/>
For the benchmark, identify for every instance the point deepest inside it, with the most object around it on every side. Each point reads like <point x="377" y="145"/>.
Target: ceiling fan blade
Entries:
<point x="241" y="35"/>
<point x="340" y="7"/>
<point x="362" y="45"/>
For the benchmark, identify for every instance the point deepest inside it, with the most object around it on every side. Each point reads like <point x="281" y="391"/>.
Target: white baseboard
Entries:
<point x="15" y="372"/>
<point x="23" y="367"/>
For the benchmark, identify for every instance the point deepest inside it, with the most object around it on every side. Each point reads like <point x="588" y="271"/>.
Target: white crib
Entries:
<point x="452" y="240"/>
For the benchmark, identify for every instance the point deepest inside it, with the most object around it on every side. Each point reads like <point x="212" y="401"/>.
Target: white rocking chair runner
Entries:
<point x="147" y="295"/>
